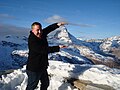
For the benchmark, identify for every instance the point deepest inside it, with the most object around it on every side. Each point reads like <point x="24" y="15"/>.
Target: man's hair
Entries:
<point x="36" y="23"/>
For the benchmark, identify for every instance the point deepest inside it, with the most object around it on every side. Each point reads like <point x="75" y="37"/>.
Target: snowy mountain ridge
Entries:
<point x="78" y="51"/>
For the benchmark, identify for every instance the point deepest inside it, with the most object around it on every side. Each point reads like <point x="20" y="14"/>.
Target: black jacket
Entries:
<point x="39" y="49"/>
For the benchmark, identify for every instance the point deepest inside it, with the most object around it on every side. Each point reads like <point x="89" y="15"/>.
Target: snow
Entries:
<point x="98" y="74"/>
<point x="21" y="52"/>
<point x="59" y="71"/>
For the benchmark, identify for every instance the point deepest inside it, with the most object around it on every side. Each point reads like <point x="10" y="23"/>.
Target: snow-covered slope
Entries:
<point x="61" y="72"/>
<point x="76" y="61"/>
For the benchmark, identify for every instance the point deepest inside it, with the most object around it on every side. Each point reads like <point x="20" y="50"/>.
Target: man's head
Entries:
<point x="36" y="28"/>
<point x="36" y="25"/>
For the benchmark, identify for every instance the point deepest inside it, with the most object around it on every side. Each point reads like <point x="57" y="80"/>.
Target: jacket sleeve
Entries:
<point x="34" y="47"/>
<point x="50" y="28"/>
<point x="52" y="49"/>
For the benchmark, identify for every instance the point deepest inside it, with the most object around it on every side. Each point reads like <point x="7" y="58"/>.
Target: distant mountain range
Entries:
<point x="14" y="50"/>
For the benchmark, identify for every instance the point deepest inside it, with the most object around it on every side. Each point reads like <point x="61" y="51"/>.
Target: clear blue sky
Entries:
<point x="105" y="14"/>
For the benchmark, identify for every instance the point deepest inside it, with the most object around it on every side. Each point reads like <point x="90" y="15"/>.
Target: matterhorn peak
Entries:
<point x="60" y="36"/>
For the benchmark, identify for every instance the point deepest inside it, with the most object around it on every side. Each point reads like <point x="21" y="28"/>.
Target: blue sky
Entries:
<point x="104" y="14"/>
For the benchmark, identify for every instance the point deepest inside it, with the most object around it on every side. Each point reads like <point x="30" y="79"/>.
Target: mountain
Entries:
<point x="82" y="60"/>
<point x="112" y="46"/>
<point x="84" y="51"/>
<point x="8" y="45"/>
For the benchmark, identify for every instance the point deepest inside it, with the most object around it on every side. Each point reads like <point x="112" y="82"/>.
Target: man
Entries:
<point x="38" y="55"/>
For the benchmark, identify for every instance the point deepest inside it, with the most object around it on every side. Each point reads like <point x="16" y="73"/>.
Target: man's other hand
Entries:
<point x="63" y="46"/>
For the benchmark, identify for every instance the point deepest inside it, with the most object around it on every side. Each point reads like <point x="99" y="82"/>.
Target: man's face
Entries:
<point x="37" y="29"/>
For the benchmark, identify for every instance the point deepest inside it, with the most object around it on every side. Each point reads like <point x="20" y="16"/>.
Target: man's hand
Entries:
<point x="63" y="46"/>
<point x="62" y="23"/>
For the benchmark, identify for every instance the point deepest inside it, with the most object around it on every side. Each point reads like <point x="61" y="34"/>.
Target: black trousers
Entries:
<point x="35" y="77"/>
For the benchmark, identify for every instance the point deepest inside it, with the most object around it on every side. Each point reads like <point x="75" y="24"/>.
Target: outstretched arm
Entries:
<point x="35" y="47"/>
<point x="52" y="27"/>
<point x="52" y="49"/>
